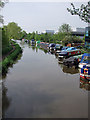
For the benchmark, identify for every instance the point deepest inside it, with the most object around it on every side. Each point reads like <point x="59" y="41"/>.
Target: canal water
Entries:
<point x="37" y="86"/>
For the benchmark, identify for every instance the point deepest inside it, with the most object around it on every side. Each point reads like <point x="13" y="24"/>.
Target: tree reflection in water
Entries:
<point x="5" y="100"/>
<point x="84" y="84"/>
<point x="0" y="99"/>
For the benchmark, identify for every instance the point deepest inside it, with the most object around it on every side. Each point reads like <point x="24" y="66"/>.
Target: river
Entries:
<point x="37" y="86"/>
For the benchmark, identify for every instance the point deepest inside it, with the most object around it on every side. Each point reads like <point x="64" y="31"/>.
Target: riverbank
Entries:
<point x="10" y="58"/>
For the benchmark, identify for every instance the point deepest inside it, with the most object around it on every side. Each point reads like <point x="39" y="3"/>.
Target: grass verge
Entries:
<point x="9" y="60"/>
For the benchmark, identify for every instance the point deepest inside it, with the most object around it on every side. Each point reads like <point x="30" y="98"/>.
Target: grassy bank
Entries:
<point x="9" y="60"/>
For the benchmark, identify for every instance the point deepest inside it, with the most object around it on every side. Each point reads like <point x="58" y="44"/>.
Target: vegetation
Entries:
<point x="65" y="28"/>
<point x="83" y="12"/>
<point x="71" y="39"/>
<point x="14" y="31"/>
<point x="64" y="32"/>
<point x="9" y="60"/>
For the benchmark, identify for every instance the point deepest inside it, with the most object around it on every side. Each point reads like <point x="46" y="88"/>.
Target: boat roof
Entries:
<point x="71" y="48"/>
<point x="83" y="56"/>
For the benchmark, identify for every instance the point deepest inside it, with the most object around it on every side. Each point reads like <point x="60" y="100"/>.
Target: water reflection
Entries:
<point x="38" y="88"/>
<point x="11" y="66"/>
<point x="5" y="100"/>
<point x="51" y="52"/>
<point x="70" y="70"/>
<point x="84" y="84"/>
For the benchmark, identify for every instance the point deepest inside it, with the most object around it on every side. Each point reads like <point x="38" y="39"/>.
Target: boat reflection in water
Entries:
<point x="70" y="70"/>
<point x="84" y="84"/>
<point x="51" y="52"/>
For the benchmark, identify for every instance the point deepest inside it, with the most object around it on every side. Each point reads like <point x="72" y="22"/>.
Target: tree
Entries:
<point x="2" y="4"/>
<point x="23" y="34"/>
<point x="32" y="35"/>
<point x="14" y="31"/>
<point x="65" y="28"/>
<point x="5" y="39"/>
<point x="71" y="39"/>
<point x="83" y="12"/>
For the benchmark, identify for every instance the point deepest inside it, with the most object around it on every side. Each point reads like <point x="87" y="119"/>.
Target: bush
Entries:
<point x="9" y="60"/>
<point x="6" y="50"/>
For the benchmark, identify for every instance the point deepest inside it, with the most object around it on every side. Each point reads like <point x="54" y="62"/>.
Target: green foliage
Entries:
<point x="13" y="30"/>
<point x="5" y="40"/>
<point x="83" y="12"/>
<point x="65" y="28"/>
<point x="23" y="34"/>
<point x="71" y="39"/>
<point x="32" y="36"/>
<point x="10" y="59"/>
<point x="6" y="50"/>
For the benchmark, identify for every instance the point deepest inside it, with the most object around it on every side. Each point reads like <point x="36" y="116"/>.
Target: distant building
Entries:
<point x="80" y="32"/>
<point x="49" y="31"/>
<point x="87" y="37"/>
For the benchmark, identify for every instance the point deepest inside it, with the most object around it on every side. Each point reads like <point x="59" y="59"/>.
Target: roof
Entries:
<point x="83" y="57"/>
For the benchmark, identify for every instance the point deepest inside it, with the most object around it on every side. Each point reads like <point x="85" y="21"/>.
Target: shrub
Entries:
<point x="9" y="60"/>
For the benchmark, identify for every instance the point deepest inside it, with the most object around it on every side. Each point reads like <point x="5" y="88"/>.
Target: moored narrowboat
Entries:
<point x="69" y="52"/>
<point x="85" y="72"/>
<point x="84" y="60"/>
<point x="58" y="47"/>
<point x="51" y="46"/>
<point x="72" y="61"/>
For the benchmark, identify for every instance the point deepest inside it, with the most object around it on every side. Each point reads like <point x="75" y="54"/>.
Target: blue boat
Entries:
<point x="84" y="66"/>
<point x="33" y="41"/>
<point x="52" y="46"/>
<point x="69" y="52"/>
<point x="84" y="60"/>
<point x="69" y="49"/>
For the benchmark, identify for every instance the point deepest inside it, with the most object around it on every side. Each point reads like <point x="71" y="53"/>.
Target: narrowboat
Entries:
<point x="51" y="46"/>
<point x="72" y="61"/>
<point x="84" y="60"/>
<point x="69" y="52"/>
<point x="38" y="42"/>
<point x="85" y="72"/>
<point x="58" y="51"/>
<point x="85" y="66"/>
<point x="58" y="47"/>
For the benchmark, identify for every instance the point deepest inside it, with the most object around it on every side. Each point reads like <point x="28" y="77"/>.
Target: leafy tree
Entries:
<point x="71" y="39"/>
<point x="28" y="36"/>
<point x="14" y="31"/>
<point x="5" y="39"/>
<point x="37" y="36"/>
<point x="83" y="12"/>
<point x="65" y="28"/>
<point x="32" y="36"/>
<point x="23" y="34"/>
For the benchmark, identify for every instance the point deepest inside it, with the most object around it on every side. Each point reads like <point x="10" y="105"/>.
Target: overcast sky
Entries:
<point x="40" y="16"/>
